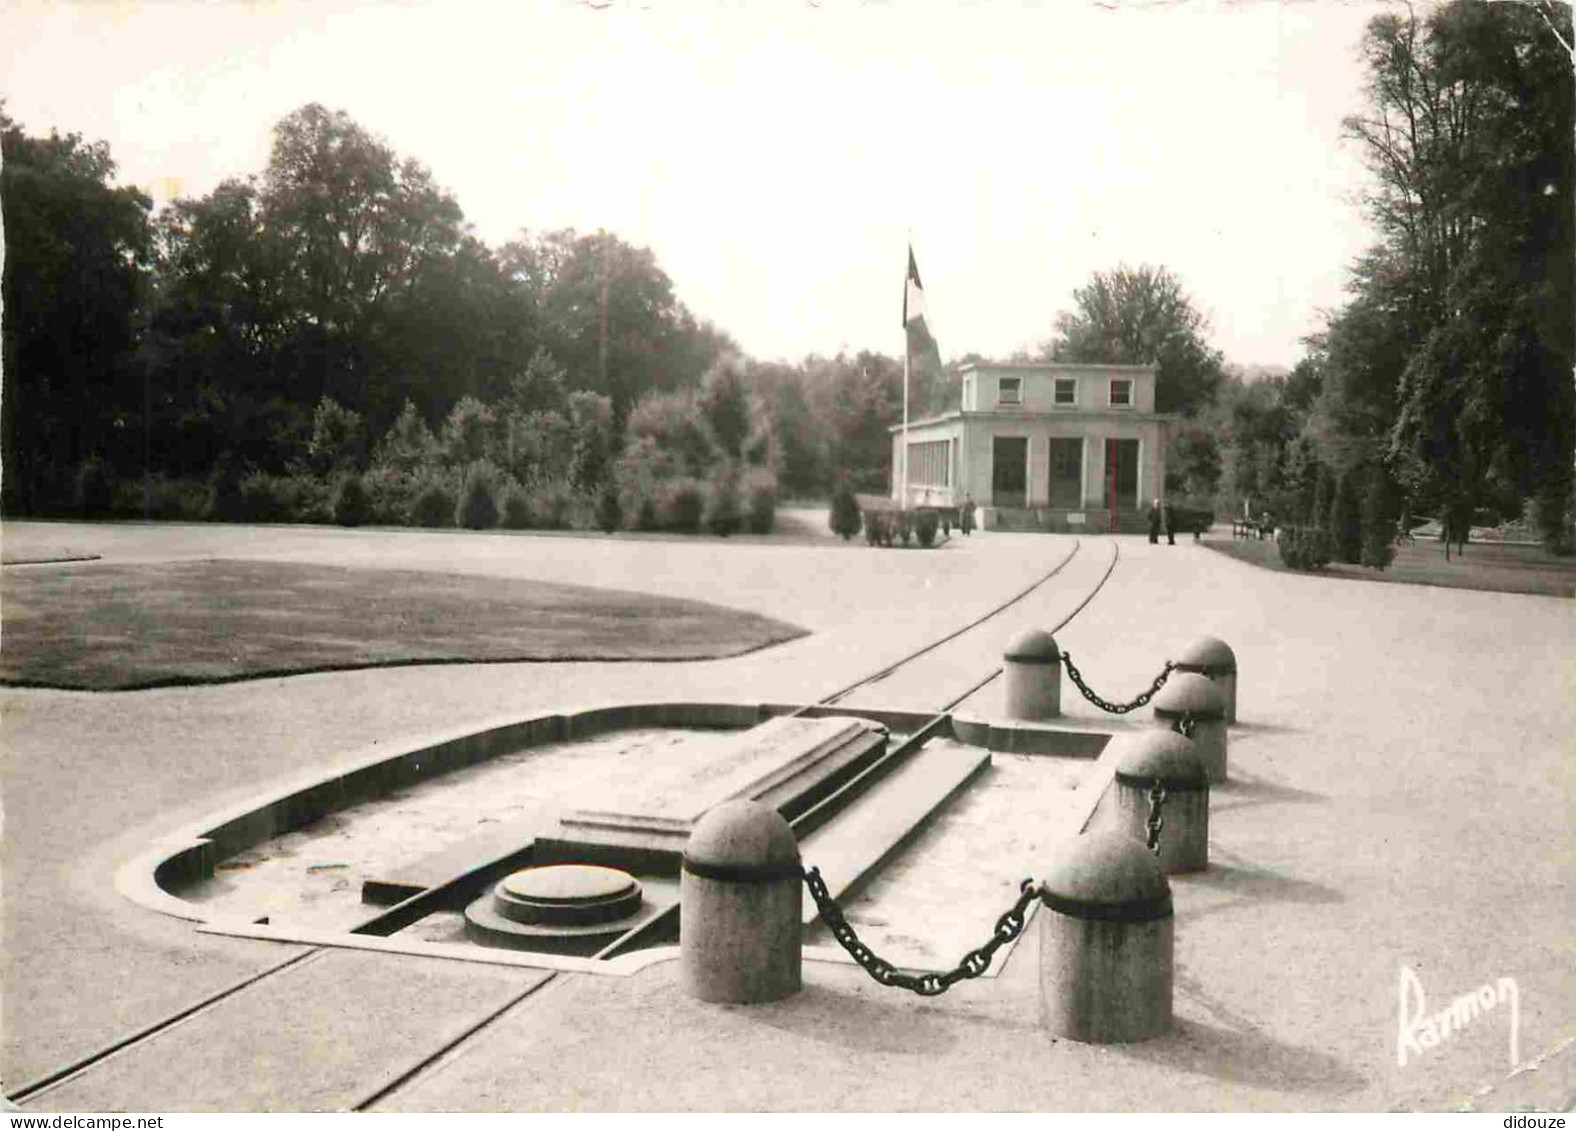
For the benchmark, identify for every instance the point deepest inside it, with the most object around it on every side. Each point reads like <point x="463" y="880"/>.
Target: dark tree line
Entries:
<point x="334" y="312"/>
<point x="1444" y="385"/>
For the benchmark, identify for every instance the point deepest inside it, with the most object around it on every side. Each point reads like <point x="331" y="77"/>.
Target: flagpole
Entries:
<point x="902" y="499"/>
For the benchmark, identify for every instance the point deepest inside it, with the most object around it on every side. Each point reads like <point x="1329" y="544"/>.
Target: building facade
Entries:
<point x="1045" y="445"/>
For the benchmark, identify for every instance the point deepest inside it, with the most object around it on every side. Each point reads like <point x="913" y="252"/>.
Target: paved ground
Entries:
<point x="1403" y="795"/>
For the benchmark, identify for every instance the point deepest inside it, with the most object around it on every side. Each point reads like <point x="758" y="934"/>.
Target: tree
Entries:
<point x="1467" y="135"/>
<point x="673" y="423"/>
<point x="409" y="444"/>
<point x="860" y="399"/>
<point x="77" y="247"/>
<point x="844" y="518"/>
<point x="360" y="228"/>
<point x="725" y="401"/>
<point x="800" y="444"/>
<point x="470" y="433"/>
<point x="1138" y="316"/>
<point x="592" y="421"/>
<point x="1346" y="520"/>
<point x="338" y="437"/>
<point x="607" y="312"/>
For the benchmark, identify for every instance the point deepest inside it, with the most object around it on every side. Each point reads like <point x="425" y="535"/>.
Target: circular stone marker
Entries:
<point x="567" y="895"/>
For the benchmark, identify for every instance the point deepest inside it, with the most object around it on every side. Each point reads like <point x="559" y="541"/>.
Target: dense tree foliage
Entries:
<point x="328" y="339"/>
<point x="76" y="252"/>
<point x="1444" y="385"/>
<point x="1452" y="365"/>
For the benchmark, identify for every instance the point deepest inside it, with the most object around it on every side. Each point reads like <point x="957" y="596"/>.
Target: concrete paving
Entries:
<point x="1403" y="795"/>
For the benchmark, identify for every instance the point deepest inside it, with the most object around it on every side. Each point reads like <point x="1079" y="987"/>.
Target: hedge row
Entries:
<point x="478" y="497"/>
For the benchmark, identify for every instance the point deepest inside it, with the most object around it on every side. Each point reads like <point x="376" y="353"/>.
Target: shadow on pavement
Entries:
<point x="1242" y="790"/>
<point x="1248" y="728"/>
<point x="1247" y="1057"/>
<point x="860" y="1022"/>
<point x="1247" y="882"/>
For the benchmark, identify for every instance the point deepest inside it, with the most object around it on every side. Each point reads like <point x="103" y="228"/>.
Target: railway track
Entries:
<point x="962" y="643"/>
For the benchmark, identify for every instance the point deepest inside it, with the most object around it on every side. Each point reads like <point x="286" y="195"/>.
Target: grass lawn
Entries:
<point x="118" y="627"/>
<point x="1485" y="565"/>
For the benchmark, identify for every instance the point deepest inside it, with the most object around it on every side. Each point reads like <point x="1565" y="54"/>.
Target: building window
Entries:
<point x="1011" y="391"/>
<point x="1066" y="390"/>
<point x="930" y="463"/>
<point x="1121" y="394"/>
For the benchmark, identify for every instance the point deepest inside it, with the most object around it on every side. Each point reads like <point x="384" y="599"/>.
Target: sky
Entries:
<point x="778" y="157"/>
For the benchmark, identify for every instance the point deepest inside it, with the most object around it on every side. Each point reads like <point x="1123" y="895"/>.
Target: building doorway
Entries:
<point x="1009" y="477"/>
<point x="1121" y="476"/>
<point x="1065" y="489"/>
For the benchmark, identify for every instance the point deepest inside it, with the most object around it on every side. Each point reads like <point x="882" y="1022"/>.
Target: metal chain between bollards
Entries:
<point x="1116" y="708"/>
<point x="929" y="984"/>
<point x="1157" y="798"/>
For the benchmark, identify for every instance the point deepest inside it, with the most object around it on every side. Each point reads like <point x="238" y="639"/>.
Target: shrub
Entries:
<point x="224" y="492"/>
<point x="550" y="503"/>
<point x="517" y="508"/>
<point x="680" y="504"/>
<point x="476" y="508"/>
<point x="1346" y="523"/>
<point x="1378" y="524"/>
<point x="1554" y="513"/>
<point x="878" y="528"/>
<point x="390" y="492"/>
<point x="609" y="514"/>
<point x="282" y="498"/>
<point x="903" y="526"/>
<point x="925" y="524"/>
<point x="351" y="504"/>
<point x="155" y="496"/>
<point x="641" y="509"/>
<point x="722" y="502"/>
<point x="470" y="433"/>
<point x="637" y="473"/>
<point x="1304" y="547"/>
<point x="338" y="436"/>
<point x="433" y="503"/>
<point x="760" y="501"/>
<point x="845" y="518"/>
<point x="93" y="490"/>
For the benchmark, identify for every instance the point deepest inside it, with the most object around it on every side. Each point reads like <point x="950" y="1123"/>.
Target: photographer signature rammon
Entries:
<point x="1421" y="1030"/>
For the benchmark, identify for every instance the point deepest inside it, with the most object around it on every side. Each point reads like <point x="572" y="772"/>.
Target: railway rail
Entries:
<point x="447" y="1045"/>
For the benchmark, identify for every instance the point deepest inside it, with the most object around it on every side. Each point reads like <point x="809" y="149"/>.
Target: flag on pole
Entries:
<point x="913" y="294"/>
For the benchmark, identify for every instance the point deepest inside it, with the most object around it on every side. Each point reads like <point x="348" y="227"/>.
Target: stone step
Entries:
<point x="852" y="845"/>
<point x="494" y="850"/>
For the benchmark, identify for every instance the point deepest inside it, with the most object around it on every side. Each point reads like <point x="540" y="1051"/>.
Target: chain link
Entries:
<point x="1157" y="798"/>
<point x="930" y="983"/>
<point x="1116" y="708"/>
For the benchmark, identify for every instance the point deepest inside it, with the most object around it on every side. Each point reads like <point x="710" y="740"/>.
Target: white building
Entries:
<point x="1042" y="446"/>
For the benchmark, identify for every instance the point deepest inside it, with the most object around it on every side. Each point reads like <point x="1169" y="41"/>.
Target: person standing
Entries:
<point x="1171" y="524"/>
<point x="1154" y="521"/>
<point x="966" y="515"/>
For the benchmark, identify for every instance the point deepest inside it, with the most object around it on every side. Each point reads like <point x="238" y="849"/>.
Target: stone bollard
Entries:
<point x="1165" y="756"/>
<point x="740" y="898"/>
<point x="1212" y="658"/>
<point x="1186" y="694"/>
<point x="1032" y="669"/>
<point x="1106" y="947"/>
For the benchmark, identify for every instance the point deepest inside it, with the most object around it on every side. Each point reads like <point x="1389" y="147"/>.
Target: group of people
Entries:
<point x="1159" y="516"/>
